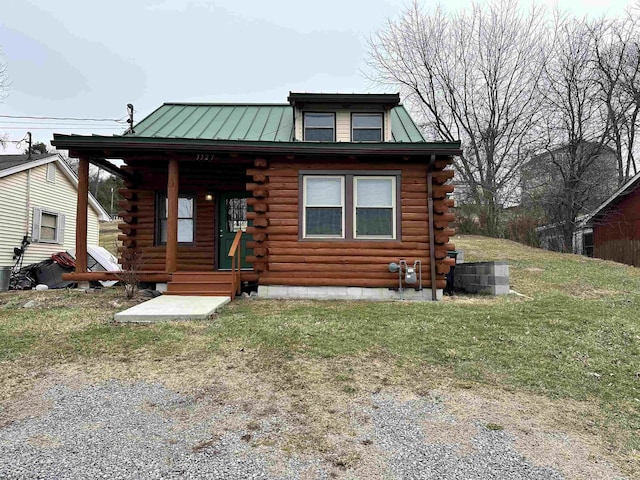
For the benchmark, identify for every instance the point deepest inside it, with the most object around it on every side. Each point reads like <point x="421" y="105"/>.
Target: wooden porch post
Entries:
<point x="81" y="215"/>
<point x="172" y="217"/>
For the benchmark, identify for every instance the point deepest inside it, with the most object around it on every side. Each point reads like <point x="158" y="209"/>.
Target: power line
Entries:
<point x="54" y="127"/>
<point x="80" y="119"/>
<point x="58" y="124"/>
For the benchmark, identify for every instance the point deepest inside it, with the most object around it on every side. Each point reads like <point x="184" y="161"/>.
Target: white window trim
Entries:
<point x="304" y="205"/>
<point x="393" y="207"/>
<point x="36" y="230"/>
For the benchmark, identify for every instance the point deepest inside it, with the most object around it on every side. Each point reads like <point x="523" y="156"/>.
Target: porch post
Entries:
<point x="81" y="215"/>
<point x="172" y="216"/>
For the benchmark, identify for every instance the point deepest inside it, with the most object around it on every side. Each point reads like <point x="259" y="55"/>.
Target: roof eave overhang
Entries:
<point x="302" y="99"/>
<point x="117" y="146"/>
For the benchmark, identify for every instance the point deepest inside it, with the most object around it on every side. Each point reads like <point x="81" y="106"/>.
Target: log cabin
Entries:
<point x="321" y="197"/>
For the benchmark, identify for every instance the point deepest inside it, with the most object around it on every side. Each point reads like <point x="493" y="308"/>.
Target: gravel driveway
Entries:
<point x="116" y="430"/>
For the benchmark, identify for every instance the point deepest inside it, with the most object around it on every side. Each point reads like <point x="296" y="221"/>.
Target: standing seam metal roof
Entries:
<point x="218" y="122"/>
<point x="248" y="122"/>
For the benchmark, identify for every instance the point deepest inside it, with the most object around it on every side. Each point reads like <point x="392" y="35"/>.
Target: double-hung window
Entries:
<point x="323" y="206"/>
<point x="319" y="127"/>
<point x="374" y="207"/>
<point x="349" y="206"/>
<point x="366" y="127"/>
<point x="48" y="226"/>
<point x="186" y="219"/>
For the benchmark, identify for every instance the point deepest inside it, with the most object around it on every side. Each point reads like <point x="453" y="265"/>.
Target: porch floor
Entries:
<point x="172" y="307"/>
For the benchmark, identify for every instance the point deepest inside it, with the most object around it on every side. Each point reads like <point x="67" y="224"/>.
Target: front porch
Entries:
<point x="184" y="223"/>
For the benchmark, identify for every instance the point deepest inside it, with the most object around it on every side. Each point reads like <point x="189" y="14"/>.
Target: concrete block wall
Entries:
<point x="482" y="277"/>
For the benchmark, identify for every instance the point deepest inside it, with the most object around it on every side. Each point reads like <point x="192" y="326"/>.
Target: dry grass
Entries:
<point x="557" y="370"/>
<point x="299" y="408"/>
<point x="534" y="271"/>
<point x="109" y="236"/>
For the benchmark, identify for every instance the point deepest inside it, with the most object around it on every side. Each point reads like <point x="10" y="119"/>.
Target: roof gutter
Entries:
<point x="119" y="144"/>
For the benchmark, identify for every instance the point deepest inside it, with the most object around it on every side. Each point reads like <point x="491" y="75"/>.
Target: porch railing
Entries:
<point x="234" y="253"/>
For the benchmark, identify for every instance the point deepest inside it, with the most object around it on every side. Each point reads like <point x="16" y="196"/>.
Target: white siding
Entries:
<point x="343" y="126"/>
<point x="13" y="215"/>
<point x="387" y="126"/>
<point x="298" y="123"/>
<point x="60" y="197"/>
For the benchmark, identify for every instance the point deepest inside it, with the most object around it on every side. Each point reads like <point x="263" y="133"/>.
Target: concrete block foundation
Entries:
<point x="343" y="293"/>
<point x="490" y="278"/>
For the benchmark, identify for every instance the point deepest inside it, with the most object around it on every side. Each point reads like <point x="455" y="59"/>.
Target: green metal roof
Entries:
<point x="259" y="123"/>
<point x="271" y="123"/>
<point x="403" y="129"/>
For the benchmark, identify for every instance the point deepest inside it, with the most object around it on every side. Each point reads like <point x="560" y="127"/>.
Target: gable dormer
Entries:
<point x="343" y="117"/>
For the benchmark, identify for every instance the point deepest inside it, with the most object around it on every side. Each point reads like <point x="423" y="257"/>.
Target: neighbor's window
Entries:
<point x="48" y="226"/>
<point x="185" y="219"/>
<point x="366" y="127"/>
<point x="323" y="206"/>
<point x="319" y="127"/>
<point x="374" y="211"/>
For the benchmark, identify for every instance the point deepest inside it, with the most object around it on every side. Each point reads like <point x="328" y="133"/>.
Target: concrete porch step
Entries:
<point x="172" y="307"/>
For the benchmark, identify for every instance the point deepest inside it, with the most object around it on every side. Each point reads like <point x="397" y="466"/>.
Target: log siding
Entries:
<point x="280" y="255"/>
<point x="289" y="260"/>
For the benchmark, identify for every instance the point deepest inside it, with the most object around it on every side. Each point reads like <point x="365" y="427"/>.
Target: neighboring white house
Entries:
<point x="38" y="199"/>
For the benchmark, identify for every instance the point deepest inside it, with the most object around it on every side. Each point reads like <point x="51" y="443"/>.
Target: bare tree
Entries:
<point x="577" y="125"/>
<point x="473" y="76"/>
<point x="5" y="83"/>
<point x="617" y="67"/>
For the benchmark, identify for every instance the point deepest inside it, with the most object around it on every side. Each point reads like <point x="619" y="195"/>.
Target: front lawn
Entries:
<point x="570" y="344"/>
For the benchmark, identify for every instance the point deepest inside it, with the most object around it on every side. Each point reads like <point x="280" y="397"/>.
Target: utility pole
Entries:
<point x="29" y="149"/>
<point x="111" y="211"/>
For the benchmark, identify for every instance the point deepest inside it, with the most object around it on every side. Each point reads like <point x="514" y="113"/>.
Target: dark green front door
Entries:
<point x="232" y="216"/>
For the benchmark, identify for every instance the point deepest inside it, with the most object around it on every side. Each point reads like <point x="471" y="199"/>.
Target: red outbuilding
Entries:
<point x="616" y="225"/>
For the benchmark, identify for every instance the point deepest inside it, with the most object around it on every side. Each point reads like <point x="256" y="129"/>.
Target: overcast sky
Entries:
<point x="89" y="59"/>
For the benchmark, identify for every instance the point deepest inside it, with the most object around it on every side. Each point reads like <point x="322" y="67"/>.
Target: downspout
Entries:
<point x="432" y="235"/>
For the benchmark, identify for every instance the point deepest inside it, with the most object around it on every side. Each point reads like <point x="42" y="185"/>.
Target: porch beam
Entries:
<point x="81" y="215"/>
<point x="172" y="216"/>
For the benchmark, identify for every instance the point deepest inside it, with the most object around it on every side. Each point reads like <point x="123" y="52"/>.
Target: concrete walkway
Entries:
<point x="172" y="307"/>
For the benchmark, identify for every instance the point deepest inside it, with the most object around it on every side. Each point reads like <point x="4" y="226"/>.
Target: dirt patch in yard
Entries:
<point x="33" y="402"/>
<point x="318" y="410"/>
<point x="551" y="433"/>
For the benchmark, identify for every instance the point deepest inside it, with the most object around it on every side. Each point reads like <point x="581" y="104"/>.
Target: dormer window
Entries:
<point x="366" y="127"/>
<point x="319" y="127"/>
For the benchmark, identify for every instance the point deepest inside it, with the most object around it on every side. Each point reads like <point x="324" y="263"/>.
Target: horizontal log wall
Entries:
<point x="283" y="259"/>
<point x="280" y="258"/>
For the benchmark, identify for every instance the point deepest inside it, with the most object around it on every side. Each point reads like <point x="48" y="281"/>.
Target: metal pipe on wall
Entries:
<point x="432" y="235"/>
